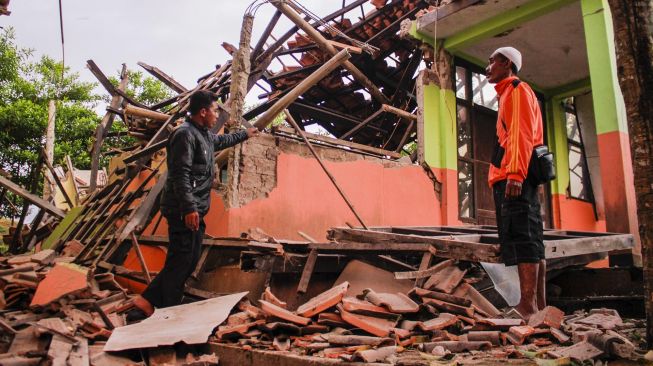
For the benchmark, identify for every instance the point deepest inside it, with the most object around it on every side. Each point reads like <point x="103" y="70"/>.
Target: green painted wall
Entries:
<point x="609" y="105"/>
<point x="440" y="147"/>
<point x="557" y="140"/>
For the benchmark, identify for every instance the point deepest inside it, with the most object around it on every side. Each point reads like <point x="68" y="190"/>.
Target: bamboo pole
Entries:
<point x="328" y="47"/>
<point x="48" y="191"/>
<point x="283" y="103"/>
<point x="131" y="110"/>
<point x="326" y="170"/>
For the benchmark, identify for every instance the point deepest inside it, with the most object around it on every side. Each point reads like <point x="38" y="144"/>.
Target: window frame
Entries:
<point x="586" y="178"/>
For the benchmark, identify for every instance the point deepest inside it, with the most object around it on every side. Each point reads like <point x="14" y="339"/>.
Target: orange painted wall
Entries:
<point x="573" y="214"/>
<point x="304" y="199"/>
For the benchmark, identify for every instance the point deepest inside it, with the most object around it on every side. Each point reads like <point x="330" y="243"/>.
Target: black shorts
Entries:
<point x="520" y="225"/>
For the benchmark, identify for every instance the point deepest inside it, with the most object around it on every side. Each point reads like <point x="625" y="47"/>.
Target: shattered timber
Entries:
<point x="356" y="278"/>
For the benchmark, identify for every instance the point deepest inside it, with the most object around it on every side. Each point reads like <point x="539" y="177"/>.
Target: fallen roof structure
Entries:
<point x="367" y="294"/>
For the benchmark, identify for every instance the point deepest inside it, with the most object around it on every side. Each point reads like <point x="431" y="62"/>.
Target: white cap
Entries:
<point x="511" y="54"/>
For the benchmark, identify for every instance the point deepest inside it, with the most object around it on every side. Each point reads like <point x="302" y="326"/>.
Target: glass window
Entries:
<point x="579" y="179"/>
<point x="464" y="132"/>
<point x="483" y="92"/>
<point x="461" y="83"/>
<point x="465" y="189"/>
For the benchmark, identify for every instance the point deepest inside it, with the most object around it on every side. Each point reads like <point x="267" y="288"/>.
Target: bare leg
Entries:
<point x="141" y="303"/>
<point x="527" y="285"/>
<point x="541" y="285"/>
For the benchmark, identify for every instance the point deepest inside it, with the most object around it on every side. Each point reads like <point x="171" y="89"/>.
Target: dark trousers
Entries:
<point x="184" y="249"/>
<point x="520" y="224"/>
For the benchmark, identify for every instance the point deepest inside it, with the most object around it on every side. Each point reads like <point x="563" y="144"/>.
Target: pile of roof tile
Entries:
<point x="56" y="311"/>
<point x="446" y="317"/>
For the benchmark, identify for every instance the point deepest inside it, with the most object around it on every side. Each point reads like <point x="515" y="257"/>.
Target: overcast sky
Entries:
<point x="182" y="38"/>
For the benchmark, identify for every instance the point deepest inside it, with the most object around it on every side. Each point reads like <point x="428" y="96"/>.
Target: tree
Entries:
<point x="26" y="87"/>
<point x="632" y="26"/>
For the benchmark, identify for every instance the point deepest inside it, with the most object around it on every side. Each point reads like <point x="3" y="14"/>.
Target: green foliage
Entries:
<point x="146" y="90"/>
<point x="26" y="87"/>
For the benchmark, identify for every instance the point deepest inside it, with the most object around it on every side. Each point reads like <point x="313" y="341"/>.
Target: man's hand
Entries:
<point x="513" y="189"/>
<point x="192" y="221"/>
<point x="252" y="131"/>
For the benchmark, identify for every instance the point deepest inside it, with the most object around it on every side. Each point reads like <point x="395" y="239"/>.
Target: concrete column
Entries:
<point x="611" y="125"/>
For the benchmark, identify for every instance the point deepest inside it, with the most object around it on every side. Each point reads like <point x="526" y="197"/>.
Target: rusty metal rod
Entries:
<point x="328" y="173"/>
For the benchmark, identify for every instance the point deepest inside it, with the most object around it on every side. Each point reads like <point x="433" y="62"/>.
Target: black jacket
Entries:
<point x="191" y="168"/>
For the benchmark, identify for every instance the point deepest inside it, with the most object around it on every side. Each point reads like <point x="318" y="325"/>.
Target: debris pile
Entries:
<point x="56" y="310"/>
<point x="445" y="316"/>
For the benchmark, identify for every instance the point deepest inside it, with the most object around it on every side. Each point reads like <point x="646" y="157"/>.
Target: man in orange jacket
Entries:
<point x="519" y="130"/>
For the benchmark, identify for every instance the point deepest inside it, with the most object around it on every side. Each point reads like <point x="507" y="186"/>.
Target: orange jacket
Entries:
<point x="520" y="111"/>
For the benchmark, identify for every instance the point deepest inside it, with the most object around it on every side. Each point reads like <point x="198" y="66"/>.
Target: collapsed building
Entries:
<point x="397" y="185"/>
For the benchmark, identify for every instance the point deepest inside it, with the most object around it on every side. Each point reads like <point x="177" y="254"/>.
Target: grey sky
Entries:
<point x="182" y="38"/>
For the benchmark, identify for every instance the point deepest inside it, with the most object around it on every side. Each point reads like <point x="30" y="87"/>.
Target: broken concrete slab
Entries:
<point x="63" y="279"/>
<point x="193" y="324"/>
<point x="323" y="301"/>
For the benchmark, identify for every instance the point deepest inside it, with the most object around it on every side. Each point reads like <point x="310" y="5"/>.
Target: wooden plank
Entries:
<point x="163" y="77"/>
<point x="346" y="247"/>
<point x="54" y="175"/>
<point x="307" y="272"/>
<point x="326" y="170"/>
<point x="141" y="259"/>
<point x="335" y="141"/>
<point x="33" y="199"/>
<point x="587" y="245"/>
<point x="105" y="125"/>
<point x="323" y="43"/>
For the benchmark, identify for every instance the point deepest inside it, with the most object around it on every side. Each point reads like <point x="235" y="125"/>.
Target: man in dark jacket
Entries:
<point x="186" y="198"/>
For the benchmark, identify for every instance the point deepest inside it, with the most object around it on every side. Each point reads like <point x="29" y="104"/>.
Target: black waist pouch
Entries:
<point x="541" y="168"/>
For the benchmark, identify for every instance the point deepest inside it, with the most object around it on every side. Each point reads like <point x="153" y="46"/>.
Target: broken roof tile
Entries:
<point x="375" y="355"/>
<point x="581" y="351"/>
<point x="550" y="316"/>
<point x="518" y="334"/>
<point x="62" y="280"/>
<point x="467" y="291"/>
<point x="269" y="297"/>
<point x="356" y="340"/>
<point x="452" y="308"/>
<point x="357" y="306"/>
<point x="444" y="320"/>
<point x="323" y="301"/>
<point x="459" y="346"/>
<point x="281" y="313"/>
<point x="397" y="303"/>
<point x="376" y="326"/>
<point x="446" y="279"/>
